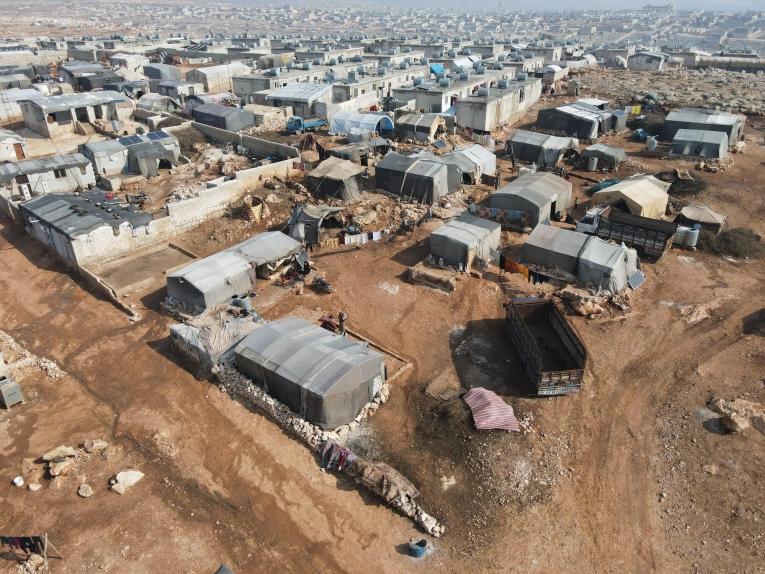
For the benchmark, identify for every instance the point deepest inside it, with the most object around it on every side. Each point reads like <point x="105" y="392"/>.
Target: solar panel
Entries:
<point x="158" y="135"/>
<point x="130" y="140"/>
<point x="636" y="279"/>
<point x="438" y="144"/>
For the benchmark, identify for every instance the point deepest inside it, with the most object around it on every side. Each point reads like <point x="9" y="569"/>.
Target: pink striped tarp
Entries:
<point x="490" y="411"/>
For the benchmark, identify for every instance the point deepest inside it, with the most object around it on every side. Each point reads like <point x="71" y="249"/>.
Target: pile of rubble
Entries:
<point x="244" y="390"/>
<point x="270" y="124"/>
<point x="186" y="191"/>
<point x="22" y="358"/>
<point x="736" y="92"/>
<point x="589" y="304"/>
<point x="737" y="415"/>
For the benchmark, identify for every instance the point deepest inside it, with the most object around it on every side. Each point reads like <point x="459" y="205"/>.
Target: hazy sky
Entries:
<point x="728" y="5"/>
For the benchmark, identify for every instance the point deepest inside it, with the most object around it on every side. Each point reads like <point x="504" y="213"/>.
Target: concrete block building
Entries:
<point x="53" y="115"/>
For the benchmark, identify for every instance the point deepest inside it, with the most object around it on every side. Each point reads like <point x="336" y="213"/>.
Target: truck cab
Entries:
<point x="589" y="222"/>
<point x="295" y="124"/>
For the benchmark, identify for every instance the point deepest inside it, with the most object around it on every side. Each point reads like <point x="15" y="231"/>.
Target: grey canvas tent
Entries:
<point x="421" y="127"/>
<point x="325" y="378"/>
<point x="465" y="238"/>
<point x="705" y="120"/>
<point x="605" y="265"/>
<point x="577" y="120"/>
<point x="537" y="195"/>
<point x="306" y="221"/>
<point x="413" y="178"/>
<point x="230" y="273"/>
<point x="701" y="215"/>
<point x="474" y="161"/>
<point x="454" y="168"/>
<point x="607" y="155"/>
<point x="210" y="281"/>
<point x="700" y="143"/>
<point x="554" y="249"/>
<point x="223" y="117"/>
<point x="350" y="121"/>
<point x="538" y="148"/>
<point x="337" y="178"/>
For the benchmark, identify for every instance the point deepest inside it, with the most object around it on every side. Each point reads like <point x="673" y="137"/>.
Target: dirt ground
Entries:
<point x="629" y="475"/>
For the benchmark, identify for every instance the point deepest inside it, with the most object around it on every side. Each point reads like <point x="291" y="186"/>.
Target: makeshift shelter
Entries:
<point x="704" y="120"/>
<point x="539" y="196"/>
<point x="554" y="249"/>
<point x="345" y="122"/>
<point x="421" y="127"/>
<point x="223" y="117"/>
<point x="538" y="148"/>
<point x="306" y="221"/>
<point x="337" y="178"/>
<point x="465" y="238"/>
<point x="573" y="256"/>
<point x="323" y="377"/>
<point x="577" y="120"/>
<point x="607" y="155"/>
<point x="642" y="195"/>
<point x="210" y="281"/>
<point x="417" y="179"/>
<point x="474" y="161"/>
<point x="700" y="143"/>
<point x="606" y="266"/>
<point x="231" y="273"/>
<point x="454" y="167"/>
<point x="700" y="214"/>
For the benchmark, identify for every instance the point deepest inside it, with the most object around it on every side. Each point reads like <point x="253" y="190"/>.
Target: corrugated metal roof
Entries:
<point x="702" y="116"/>
<point x="490" y="411"/>
<point x="68" y="101"/>
<point x="701" y="136"/>
<point x="300" y="92"/>
<point x="41" y="165"/>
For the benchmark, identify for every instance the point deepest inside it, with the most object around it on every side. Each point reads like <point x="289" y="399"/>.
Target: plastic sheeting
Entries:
<point x="577" y="120"/>
<point x="611" y="156"/>
<point x="323" y="377"/>
<point x="338" y="178"/>
<point x="211" y="340"/>
<point x="476" y="160"/>
<point x="344" y="122"/>
<point x="464" y="238"/>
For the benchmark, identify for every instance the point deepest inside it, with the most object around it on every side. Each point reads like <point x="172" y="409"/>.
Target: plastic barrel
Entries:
<point x="417" y="548"/>
<point x="592" y="164"/>
<point x="242" y="301"/>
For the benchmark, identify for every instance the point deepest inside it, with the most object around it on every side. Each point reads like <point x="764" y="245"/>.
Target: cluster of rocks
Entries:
<point x="61" y="462"/>
<point x="22" y="358"/>
<point x="739" y="414"/>
<point x="589" y="304"/>
<point x="186" y="191"/>
<point x="247" y="392"/>
<point x="736" y="92"/>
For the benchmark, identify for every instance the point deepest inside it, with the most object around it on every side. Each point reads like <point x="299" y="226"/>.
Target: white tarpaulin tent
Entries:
<point x="605" y="265"/>
<point x="345" y="122"/>
<point x="700" y="143"/>
<point x="477" y="158"/>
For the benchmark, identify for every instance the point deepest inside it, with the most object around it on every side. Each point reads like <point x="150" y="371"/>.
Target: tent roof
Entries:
<point x="556" y="240"/>
<point x="267" y="247"/>
<point x="476" y="154"/>
<point x="218" y="110"/>
<point x="701" y="136"/>
<point x="300" y="92"/>
<point x="422" y="166"/>
<point x="345" y="121"/>
<point x="702" y="116"/>
<point x="309" y="212"/>
<point x="41" y="165"/>
<point x="702" y="214"/>
<point x="616" y="154"/>
<point x="544" y="140"/>
<point x="63" y="102"/>
<point x="467" y="229"/>
<point x="418" y="119"/>
<point x="601" y="254"/>
<point x="642" y="189"/>
<point x="337" y="169"/>
<point x="314" y="358"/>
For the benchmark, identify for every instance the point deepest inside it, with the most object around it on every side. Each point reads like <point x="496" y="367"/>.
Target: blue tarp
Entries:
<point x="437" y="68"/>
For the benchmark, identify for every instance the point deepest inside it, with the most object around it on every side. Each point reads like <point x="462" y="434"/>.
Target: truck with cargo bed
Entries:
<point x="551" y="350"/>
<point x="300" y="124"/>
<point x="650" y="237"/>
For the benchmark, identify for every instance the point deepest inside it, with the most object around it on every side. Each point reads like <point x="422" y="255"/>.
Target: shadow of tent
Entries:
<point x="754" y="323"/>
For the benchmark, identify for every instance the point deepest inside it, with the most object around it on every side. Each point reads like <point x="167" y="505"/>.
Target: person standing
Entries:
<point x="342" y="318"/>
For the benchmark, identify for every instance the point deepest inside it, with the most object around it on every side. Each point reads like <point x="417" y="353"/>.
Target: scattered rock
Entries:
<point x="734" y="423"/>
<point x="712" y="469"/>
<point x="85" y="491"/>
<point x="110" y="451"/>
<point x="125" y="479"/>
<point x="60" y="466"/>
<point x="366" y="217"/>
<point x="18" y="481"/>
<point x="59" y="452"/>
<point x="34" y="486"/>
<point x="759" y="423"/>
<point x="95" y="445"/>
<point x="271" y="198"/>
<point x="33" y="564"/>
